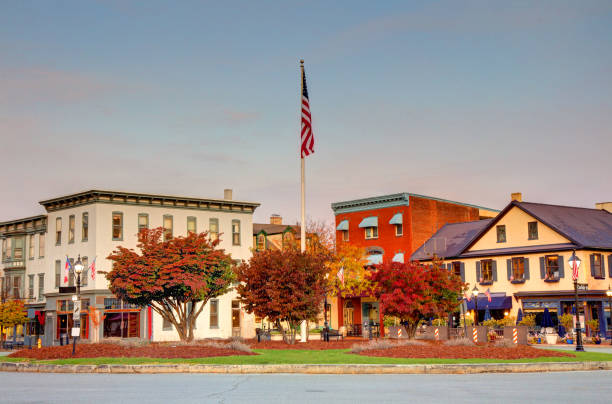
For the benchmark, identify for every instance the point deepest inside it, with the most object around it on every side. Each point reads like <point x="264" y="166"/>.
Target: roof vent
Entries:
<point x="607" y="206"/>
<point x="227" y="194"/>
<point x="516" y="196"/>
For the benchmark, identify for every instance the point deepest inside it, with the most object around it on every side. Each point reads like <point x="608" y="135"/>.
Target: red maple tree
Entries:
<point x="284" y="286"/>
<point x="175" y="277"/>
<point x="412" y="291"/>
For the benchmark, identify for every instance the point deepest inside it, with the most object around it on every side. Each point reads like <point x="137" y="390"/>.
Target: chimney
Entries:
<point x="516" y="196"/>
<point x="227" y="194"/>
<point x="607" y="206"/>
<point x="276" y="219"/>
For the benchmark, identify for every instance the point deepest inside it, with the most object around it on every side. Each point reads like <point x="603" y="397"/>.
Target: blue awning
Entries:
<point x="399" y="257"/>
<point x="371" y="221"/>
<point x="499" y="302"/>
<point x="375" y="259"/>
<point x="396" y="219"/>
<point x="343" y="225"/>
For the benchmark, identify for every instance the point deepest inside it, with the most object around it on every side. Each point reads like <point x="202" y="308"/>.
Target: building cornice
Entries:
<point x="28" y="225"/>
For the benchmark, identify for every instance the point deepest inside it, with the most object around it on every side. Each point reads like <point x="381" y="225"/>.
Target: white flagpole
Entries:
<point x="303" y="190"/>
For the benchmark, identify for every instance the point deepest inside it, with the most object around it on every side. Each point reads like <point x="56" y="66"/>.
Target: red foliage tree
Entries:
<point x="284" y="286"/>
<point x="411" y="291"/>
<point x="175" y="277"/>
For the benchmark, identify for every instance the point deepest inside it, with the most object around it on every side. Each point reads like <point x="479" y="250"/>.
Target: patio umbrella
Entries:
<point x="519" y="316"/>
<point x="573" y="310"/>
<point x="487" y="315"/>
<point x="546" y="319"/>
<point x="602" y="322"/>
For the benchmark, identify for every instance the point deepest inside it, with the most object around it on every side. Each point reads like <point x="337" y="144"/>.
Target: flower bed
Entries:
<point x="310" y="344"/>
<point x="117" y="351"/>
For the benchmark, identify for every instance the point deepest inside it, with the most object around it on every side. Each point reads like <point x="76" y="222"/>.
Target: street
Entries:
<point x="591" y="387"/>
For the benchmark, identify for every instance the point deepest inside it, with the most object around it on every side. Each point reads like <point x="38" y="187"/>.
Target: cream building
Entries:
<point x="92" y="224"/>
<point x="521" y="257"/>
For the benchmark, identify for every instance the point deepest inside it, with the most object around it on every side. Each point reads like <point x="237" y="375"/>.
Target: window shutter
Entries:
<point x="542" y="267"/>
<point x="526" y="267"/>
<point x="462" y="266"/>
<point x="610" y="265"/>
<point x="509" y="266"/>
<point x="494" y="268"/>
<point x="603" y="266"/>
<point x="477" y="271"/>
<point x="449" y="266"/>
<point x="561" y="268"/>
<point x="592" y="256"/>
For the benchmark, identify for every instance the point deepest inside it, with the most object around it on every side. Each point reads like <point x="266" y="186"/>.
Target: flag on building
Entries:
<point x="488" y="294"/>
<point x="307" y="135"/>
<point x="92" y="269"/>
<point x="341" y="275"/>
<point x="67" y="269"/>
<point x="574" y="269"/>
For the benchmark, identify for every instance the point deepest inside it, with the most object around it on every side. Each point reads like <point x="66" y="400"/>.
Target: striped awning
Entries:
<point x="371" y="221"/>
<point x="399" y="257"/>
<point x="396" y="219"/>
<point x="343" y="225"/>
<point x="375" y="259"/>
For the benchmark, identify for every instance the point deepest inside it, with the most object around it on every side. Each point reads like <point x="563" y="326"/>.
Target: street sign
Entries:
<point x="583" y="287"/>
<point x="76" y="331"/>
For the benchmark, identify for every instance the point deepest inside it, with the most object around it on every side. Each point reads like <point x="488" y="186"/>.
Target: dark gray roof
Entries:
<point x="585" y="227"/>
<point x="450" y="240"/>
<point x="520" y="250"/>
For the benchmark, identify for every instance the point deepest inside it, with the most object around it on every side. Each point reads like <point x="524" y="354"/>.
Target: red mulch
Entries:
<point x="118" y="351"/>
<point x="316" y="345"/>
<point x="441" y="351"/>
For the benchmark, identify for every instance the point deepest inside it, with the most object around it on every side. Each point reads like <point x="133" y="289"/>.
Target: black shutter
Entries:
<point x="561" y="266"/>
<point x="477" y="271"/>
<point x="494" y="269"/>
<point x="462" y="266"/>
<point x="610" y="265"/>
<point x="526" y="267"/>
<point x="542" y="267"/>
<point x="592" y="257"/>
<point x="449" y="267"/>
<point x="509" y="267"/>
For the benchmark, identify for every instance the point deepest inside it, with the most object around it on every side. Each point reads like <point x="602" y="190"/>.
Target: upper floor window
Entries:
<point x="41" y="287"/>
<point x="399" y="229"/>
<point x="117" y="226"/>
<point x="261" y="242"/>
<point x="518" y="268"/>
<point x="85" y="227"/>
<point x="4" y="249"/>
<point x="58" y="230"/>
<point x="191" y="224"/>
<point x="371" y="232"/>
<point x="41" y="245"/>
<point x="71" y="221"/>
<point x="30" y="286"/>
<point x="235" y="232"/>
<point x="143" y="221"/>
<point x="486" y="271"/>
<point x="532" y="230"/>
<point x="31" y="246"/>
<point x="345" y="235"/>
<point x="597" y="270"/>
<point x="168" y="225"/>
<point x="501" y="233"/>
<point x="456" y="267"/>
<point x="58" y="273"/>
<point x="552" y="266"/>
<point x="18" y="248"/>
<point x="213" y="229"/>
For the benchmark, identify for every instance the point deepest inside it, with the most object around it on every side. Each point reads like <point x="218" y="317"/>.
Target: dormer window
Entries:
<point x="261" y="242"/>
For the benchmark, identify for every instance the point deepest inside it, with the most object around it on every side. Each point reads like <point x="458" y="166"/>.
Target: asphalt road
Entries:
<point x="588" y="387"/>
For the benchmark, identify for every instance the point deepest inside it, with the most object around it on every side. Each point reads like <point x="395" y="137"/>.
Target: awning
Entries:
<point x="396" y="219"/>
<point x="371" y="221"/>
<point x="343" y="225"/>
<point x="399" y="257"/>
<point x="375" y="259"/>
<point x="498" y="302"/>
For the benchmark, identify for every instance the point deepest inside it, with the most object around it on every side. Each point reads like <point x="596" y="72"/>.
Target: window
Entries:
<point x="552" y="266"/>
<point x="501" y="233"/>
<point x="4" y="249"/>
<point x="117" y="226"/>
<point x="235" y="314"/>
<point x="235" y="232"/>
<point x="532" y="230"/>
<point x="261" y="242"/>
<point x="85" y="227"/>
<point x="41" y="287"/>
<point x="58" y="273"/>
<point x="58" y="230"/>
<point x="168" y="223"/>
<point x="30" y="286"/>
<point x="143" y="221"/>
<point x="31" y="246"/>
<point x="41" y="245"/>
<point x="71" y="229"/>
<point x="191" y="224"/>
<point x="399" y="229"/>
<point x="16" y="287"/>
<point x="345" y="235"/>
<point x="456" y="267"/>
<point x="214" y="313"/>
<point x="213" y="229"/>
<point x="85" y="262"/>
<point x="597" y="267"/>
<point x="371" y="232"/>
<point x="518" y="268"/>
<point x="486" y="271"/>
<point x="18" y="247"/>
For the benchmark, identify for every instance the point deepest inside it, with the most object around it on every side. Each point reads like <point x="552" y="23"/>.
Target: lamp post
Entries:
<point x="609" y="294"/>
<point x="574" y="263"/>
<point x="475" y="293"/>
<point x="76" y="317"/>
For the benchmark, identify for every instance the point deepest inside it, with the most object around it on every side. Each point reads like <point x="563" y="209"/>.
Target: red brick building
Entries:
<point x="390" y="228"/>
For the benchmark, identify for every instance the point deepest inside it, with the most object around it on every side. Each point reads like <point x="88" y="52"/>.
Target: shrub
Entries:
<point x="376" y="344"/>
<point x="528" y="320"/>
<point x="459" y="342"/>
<point x="504" y="343"/>
<point x="567" y="321"/>
<point x="233" y="344"/>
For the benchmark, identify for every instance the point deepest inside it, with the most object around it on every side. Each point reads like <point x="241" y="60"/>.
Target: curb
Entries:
<point x="467" y="368"/>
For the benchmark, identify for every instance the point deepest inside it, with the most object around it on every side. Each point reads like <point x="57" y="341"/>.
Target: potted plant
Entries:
<point x="593" y="326"/>
<point x="596" y="339"/>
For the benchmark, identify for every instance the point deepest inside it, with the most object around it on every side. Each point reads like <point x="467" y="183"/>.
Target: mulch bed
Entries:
<point x="118" y="351"/>
<point x="316" y="345"/>
<point x="441" y="351"/>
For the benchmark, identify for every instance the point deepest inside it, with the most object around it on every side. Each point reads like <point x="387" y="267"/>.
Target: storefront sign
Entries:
<point x="583" y="287"/>
<point x="540" y="305"/>
<point x="76" y="331"/>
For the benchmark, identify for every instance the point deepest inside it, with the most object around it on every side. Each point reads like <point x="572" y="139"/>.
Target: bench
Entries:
<point x="331" y="333"/>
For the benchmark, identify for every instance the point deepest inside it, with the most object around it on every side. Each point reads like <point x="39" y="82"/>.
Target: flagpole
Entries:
<point x="303" y="192"/>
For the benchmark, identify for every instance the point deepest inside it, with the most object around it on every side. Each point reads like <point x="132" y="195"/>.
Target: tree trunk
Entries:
<point x="411" y="328"/>
<point x="282" y="330"/>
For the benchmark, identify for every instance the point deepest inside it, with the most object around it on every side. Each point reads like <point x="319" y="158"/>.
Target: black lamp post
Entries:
<point x="574" y="263"/>
<point x="609" y="294"/>
<point x="76" y="317"/>
<point x="475" y="293"/>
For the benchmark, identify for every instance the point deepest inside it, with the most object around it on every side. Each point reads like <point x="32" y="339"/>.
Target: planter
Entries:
<point x="570" y="341"/>
<point x="551" y="339"/>
<point x="522" y="331"/>
<point x="430" y="332"/>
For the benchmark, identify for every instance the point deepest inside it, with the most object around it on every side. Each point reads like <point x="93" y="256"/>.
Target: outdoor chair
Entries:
<point x="335" y="334"/>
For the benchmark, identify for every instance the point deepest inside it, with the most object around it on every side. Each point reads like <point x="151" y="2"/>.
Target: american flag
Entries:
<point x="488" y="294"/>
<point x="92" y="269"/>
<point x="67" y="269"/>
<point x="307" y="135"/>
<point x="574" y="268"/>
<point x="341" y="275"/>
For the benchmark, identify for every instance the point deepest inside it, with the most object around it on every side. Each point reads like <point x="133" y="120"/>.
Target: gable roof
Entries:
<point x="270" y="229"/>
<point x="450" y="240"/>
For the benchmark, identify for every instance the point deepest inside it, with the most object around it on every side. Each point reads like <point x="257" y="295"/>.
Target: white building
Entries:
<point x="92" y="224"/>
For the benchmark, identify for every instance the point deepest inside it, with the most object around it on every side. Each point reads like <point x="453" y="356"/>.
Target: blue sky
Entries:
<point x="467" y="101"/>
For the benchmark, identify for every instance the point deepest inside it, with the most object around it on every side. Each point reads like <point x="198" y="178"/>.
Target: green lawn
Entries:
<point x="299" y="356"/>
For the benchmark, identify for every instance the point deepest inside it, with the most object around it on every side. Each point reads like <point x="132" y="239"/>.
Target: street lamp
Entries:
<point x="609" y="294"/>
<point x="78" y="269"/>
<point x="475" y="293"/>
<point x="325" y="323"/>
<point x="574" y="263"/>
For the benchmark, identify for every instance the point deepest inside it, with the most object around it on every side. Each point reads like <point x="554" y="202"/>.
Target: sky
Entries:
<point x="462" y="100"/>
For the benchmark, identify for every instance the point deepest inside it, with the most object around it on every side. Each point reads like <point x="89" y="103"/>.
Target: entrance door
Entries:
<point x="348" y="314"/>
<point x="235" y="318"/>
